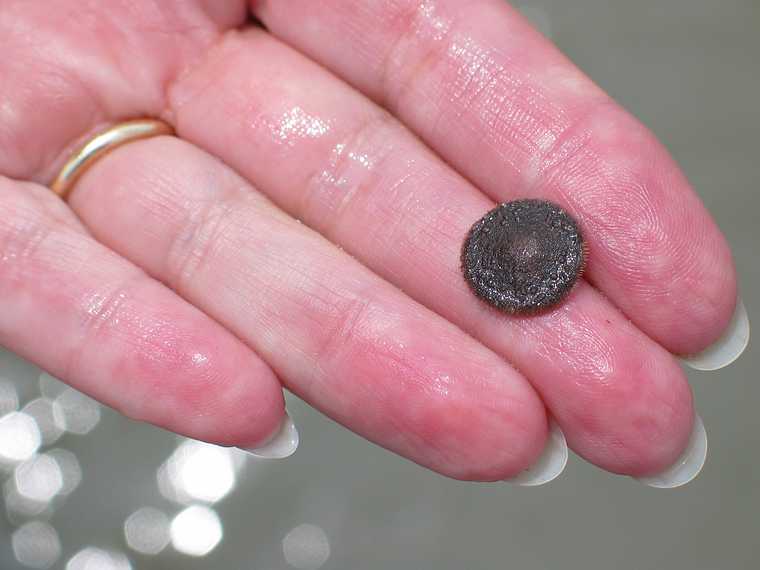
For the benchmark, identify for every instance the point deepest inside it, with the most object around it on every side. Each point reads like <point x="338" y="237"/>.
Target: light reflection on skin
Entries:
<point x="441" y="384"/>
<point x="297" y="124"/>
<point x="436" y="26"/>
<point x="348" y="168"/>
<point x="362" y="158"/>
<point x="199" y="359"/>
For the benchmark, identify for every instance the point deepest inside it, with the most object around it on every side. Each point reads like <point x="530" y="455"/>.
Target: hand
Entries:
<point x="179" y="285"/>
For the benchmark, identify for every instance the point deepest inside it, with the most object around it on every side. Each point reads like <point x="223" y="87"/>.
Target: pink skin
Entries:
<point x="74" y="66"/>
<point x="350" y="343"/>
<point x="85" y="314"/>
<point x="511" y="113"/>
<point x="362" y="180"/>
<point x="338" y="336"/>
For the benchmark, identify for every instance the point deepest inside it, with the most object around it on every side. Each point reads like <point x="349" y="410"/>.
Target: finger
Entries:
<point x="337" y="335"/>
<point x="502" y="105"/>
<point x="93" y="319"/>
<point x="334" y="160"/>
<point x="60" y="91"/>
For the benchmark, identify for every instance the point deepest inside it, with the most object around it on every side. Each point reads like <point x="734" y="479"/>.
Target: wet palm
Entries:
<point x="180" y="286"/>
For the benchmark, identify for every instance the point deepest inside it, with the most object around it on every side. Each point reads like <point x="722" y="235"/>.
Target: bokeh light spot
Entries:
<point x="39" y="478"/>
<point x="147" y="531"/>
<point x="50" y="386"/>
<point x="92" y="558"/>
<point x="20" y="508"/>
<point x="36" y="545"/>
<point x="71" y="471"/>
<point x="75" y="412"/>
<point x="41" y="409"/>
<point x="8" y="397"/>
<point x="306" y="547"/>
<point x="196" y="531"/>
<point x="19" y="437"/>
<point x="198" y="471"/>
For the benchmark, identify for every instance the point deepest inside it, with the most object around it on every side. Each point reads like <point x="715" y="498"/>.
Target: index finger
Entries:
<point x="509" y="111"/>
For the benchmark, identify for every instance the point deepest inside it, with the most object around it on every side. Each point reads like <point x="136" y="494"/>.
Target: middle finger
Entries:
<point x="332" y="158"/>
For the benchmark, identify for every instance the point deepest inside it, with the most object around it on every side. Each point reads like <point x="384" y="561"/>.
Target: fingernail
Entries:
<point x="688" y="465"/>
<point x="550" y="463"/>
<point x="283" y="444"/>
<point x="728" y="347"/>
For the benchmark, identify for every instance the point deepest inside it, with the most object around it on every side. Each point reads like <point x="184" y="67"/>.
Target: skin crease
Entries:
<point x="516" y="115"/>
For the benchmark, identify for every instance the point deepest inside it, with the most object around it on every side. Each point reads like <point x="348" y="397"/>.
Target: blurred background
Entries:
<point x="85" y="489"/>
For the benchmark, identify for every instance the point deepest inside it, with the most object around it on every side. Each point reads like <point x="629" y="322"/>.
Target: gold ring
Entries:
<point x="100" y="145"/>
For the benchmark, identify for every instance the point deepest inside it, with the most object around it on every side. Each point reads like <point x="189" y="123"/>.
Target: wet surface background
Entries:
<point x="85" y="489"/>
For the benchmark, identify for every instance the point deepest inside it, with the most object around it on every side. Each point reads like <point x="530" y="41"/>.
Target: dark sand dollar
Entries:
<point x="523" y="256"/>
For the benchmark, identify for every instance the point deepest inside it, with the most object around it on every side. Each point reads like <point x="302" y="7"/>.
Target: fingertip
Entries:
<point x="641" y="422"/>
<point x="486" y="437"/>
<point x="728" y="347"/>
<point x="281" y="445"/>
<point x="528" y="449"/>
<point x="688" y="465"/>
<point x="201" y="382"/>
<point x="261" y="418"/>
<point x="549" y="465"/>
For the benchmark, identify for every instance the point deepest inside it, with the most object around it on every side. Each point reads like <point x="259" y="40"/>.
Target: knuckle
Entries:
<point x="101" y="314"/>
<point x="21" y="236"/>
<point x="565" y="146"/>
<point x="27" y="224"/>
<point x="104" y="308"/>
<point x="351" y="172"/>
<point x="422" y="42"/>
<point x="193" y="250"/>
<point x="344" y="329"/>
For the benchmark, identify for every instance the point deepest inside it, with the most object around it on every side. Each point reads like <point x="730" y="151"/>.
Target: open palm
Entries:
<point x="304" y="229"/>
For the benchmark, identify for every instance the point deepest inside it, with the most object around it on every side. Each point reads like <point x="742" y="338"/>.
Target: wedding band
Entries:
<point x="100" y="145"/>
